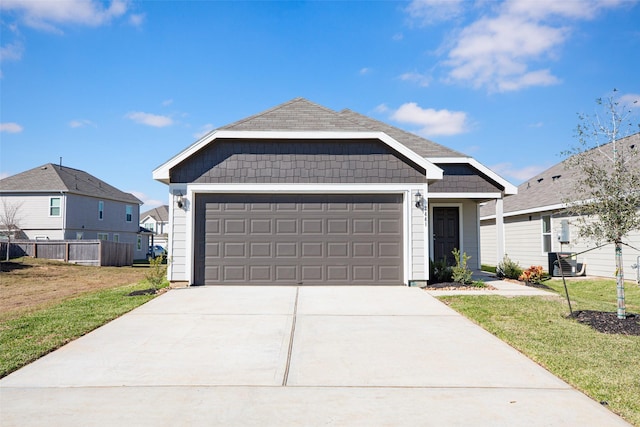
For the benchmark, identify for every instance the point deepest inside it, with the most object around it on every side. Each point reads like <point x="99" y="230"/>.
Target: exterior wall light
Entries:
<point x="418" y="200"/>
<point x="180" y="201"/>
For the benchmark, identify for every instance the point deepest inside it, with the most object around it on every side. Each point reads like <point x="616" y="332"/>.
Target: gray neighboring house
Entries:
<point x="156" y="220"/>
<point x="301" y="194"/>
<point x="533" y="224"/>
<point x="62" y="203"/>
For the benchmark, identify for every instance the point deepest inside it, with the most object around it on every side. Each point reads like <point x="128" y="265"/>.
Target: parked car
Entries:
<point x="156" y="251"/>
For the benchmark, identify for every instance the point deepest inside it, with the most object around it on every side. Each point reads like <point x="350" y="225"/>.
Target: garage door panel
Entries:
<point x="299" y="239"/>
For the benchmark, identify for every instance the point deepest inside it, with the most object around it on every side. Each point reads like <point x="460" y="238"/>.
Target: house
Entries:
<point x="533" y="225"/>
<point x="301" y="194"/>
<point x="156" y="220"/>
<point x="57" y="202"/>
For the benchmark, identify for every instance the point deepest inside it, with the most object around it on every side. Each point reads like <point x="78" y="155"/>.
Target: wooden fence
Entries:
<point x="85" y="252"/>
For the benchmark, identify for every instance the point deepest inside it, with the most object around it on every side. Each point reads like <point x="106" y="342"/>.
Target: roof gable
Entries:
<point x="55" y="178"/>
<point x="160" y="214"/>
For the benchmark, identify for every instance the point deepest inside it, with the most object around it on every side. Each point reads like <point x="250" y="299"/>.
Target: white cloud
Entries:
<point x="519" y="173"/>
<point x="427" y="12"/>
<point x="364" y="71"/>
<point x="47" y="15"/>
<point x="150" y="119"/>
<point x="508" y="46"/>
<point x="630" y="100"/>
<point x="203" y="131"/>
<point x="167" y="102"/>
<point x="432" y="122"/>
<point x="10" y="127"/>
<point x="397" y="37"/>
<point x="81" y="123"/>
<point x="4" y="175"/>
<point x="421" y="80"/>
<point x="382" y="108"/>
<point x="11" y="52"/>
<point x="148" y="202"/>
<point x="137" y="19"/>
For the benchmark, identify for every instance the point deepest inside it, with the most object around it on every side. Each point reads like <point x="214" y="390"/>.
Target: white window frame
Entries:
<point x="59" y="207"/>
<point x="100" y="210"/>
<point x="116" y="237"/>
<point x="546" y="233"/>
<point x="128" y="213"/>
<point x="103" y="236"/>
<point x="139" y="243"/>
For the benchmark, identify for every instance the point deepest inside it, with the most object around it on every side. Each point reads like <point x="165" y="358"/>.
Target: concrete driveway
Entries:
<point x="287" y="356"/>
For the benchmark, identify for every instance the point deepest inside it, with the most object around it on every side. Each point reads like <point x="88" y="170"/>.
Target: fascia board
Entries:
<point x="161" y="173"/>
<point x="528" y="211"/>
<point x="509" y="189"/>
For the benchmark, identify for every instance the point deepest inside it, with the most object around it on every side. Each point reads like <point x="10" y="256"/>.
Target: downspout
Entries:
<point x="64" y="216"/>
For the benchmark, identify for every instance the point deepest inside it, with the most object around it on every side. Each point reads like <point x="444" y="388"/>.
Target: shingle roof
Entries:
<point x="300" y="114"/>
<point x="160" y="214"/>
<point x="548" y="188"/>
<point x="55" y="178"/>
<point x="419" y="145"/>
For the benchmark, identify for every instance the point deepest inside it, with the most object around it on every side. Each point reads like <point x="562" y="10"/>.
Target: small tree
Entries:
<point x="606" y="180"/>
<point x="10" y="221"/>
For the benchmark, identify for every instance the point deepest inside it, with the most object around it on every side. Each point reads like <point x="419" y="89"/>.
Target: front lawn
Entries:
<point x="603" y="366"/>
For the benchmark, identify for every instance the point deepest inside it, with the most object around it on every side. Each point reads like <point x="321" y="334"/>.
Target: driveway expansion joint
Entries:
<point x="293" y="330"/>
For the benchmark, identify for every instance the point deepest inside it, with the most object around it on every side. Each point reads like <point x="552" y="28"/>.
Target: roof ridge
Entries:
<point x="267" y="111"/>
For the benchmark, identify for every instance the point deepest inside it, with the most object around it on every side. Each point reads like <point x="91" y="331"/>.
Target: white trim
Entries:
<point x="465" y="195"/>
<point x="460" y="207"/>
<point x="59" y="207"/>
<point x="529" y="211"/>
<point x="161" y="173"/>
<point x="301" y="188"/>
<point x="509" y="189"/>
<point x="406" y="236"/>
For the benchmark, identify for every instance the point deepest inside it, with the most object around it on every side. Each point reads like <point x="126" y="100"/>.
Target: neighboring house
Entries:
<point x="533" y="225"/>
<point x="301" y="194"/>
<point x="61" y="203"/>
<point x="156" y="220"/>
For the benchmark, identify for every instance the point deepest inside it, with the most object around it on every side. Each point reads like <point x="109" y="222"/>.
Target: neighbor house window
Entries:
<point x="79" y="235"/>
<point x="103" y="236"/>
<point x="129" y="213"/>
<point x="139" y="245"/>
<point x="116" y="237"/>
<point x="546" y="233"/>
<point x="100" y="209"/>
<point x="149" y="226"/>
<point x="54" y="206"/>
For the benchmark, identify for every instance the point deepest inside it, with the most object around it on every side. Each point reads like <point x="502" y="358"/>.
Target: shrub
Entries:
<point x="439" y="271"/>
<point x="533" y="274"/>
<point x="157" y="273"/>
<point x="460" y="272"/>
<point x="508" y="269"/>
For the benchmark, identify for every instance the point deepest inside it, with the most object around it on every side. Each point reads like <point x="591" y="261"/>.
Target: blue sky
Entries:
<point x="118" y="87"/>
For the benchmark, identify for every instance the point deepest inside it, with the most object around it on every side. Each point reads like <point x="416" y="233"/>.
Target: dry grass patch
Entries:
<point x="27" y="284"/>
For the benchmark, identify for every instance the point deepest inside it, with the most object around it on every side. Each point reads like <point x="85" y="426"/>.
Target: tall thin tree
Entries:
<point x="10" y="221"/>
<point x="605" y="168"/>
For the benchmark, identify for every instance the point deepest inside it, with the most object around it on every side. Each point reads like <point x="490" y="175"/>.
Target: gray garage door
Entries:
<point x="298" y="239"/>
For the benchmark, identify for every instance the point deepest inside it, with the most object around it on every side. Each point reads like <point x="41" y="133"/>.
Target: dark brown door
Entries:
<point x="446" y="233"/>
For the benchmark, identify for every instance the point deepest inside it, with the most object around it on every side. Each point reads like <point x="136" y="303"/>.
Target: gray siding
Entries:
<point x="461" y="178"/>
<point x="292" y="161"/>
<point x="33" y="214"/>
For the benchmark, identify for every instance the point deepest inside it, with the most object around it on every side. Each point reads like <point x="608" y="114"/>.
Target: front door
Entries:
<point x="446" y="233"/>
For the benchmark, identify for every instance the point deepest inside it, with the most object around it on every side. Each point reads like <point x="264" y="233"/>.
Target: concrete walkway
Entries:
<point x="287" y="356"/>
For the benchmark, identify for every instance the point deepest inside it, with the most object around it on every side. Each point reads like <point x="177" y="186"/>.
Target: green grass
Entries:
<point x="603" y="366"/>
<point x="30" y="336"/>
<point x="489" y="268"/>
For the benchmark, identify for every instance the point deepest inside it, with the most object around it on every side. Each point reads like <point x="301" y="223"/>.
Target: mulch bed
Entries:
<point x="608" y="322"/>
<point x="455" y="286"/>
